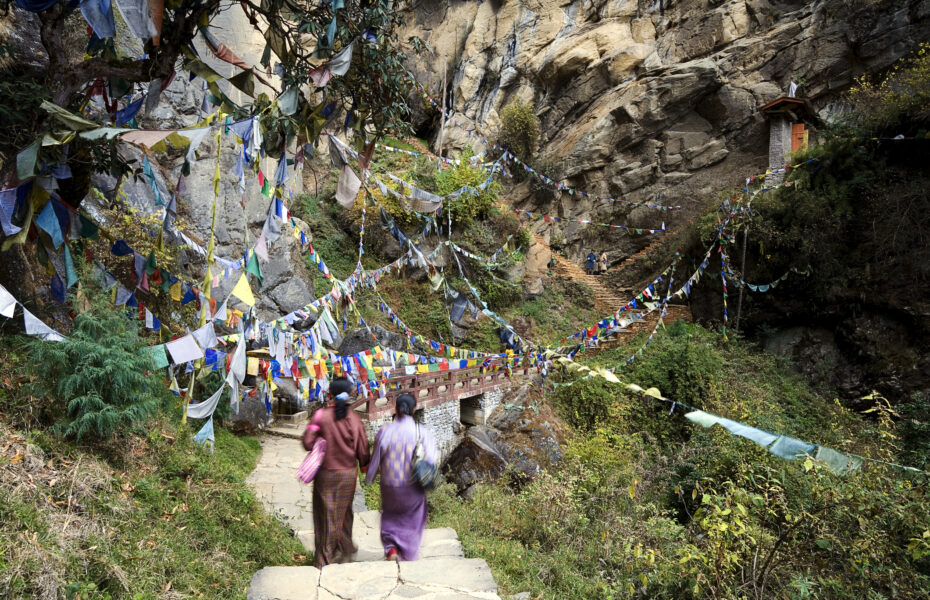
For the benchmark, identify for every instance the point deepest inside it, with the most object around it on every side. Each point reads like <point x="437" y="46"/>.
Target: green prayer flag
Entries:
<point x="244" y="82"/>
<point x="89" y="229"/>
<point x="266" y="188"/>
<point x="70" y="273"/>
<point x="433" y="367"/>
<point x="42" y="255"/>
<point x="68" y="119"/>
<point x="201" y="69"/>
<point x="150" y="265"/>
<point x="254" y="268"/>
<point x="26" y="161"/>
<point x="158" y="355"/>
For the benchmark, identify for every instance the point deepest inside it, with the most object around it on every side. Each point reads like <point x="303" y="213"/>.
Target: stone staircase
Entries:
<point x="442" y="573"/>
<point x="645" y="251"/>
<point x="646" y="324"/>
<point x="606" y="300"/>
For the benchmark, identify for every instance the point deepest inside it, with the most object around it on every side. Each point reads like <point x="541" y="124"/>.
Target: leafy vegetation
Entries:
<point x="898" y="99"/>
<point x="519" y="129"/>
<point x="469" y="206"/>
<point x="98" y="374"/>
<point x="647" y="505"/>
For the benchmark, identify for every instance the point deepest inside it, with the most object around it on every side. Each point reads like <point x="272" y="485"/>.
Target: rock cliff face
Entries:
<point x="639" y="98"/>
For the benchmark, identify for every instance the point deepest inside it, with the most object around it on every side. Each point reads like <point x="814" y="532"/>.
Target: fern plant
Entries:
<point x="98" y="374"/>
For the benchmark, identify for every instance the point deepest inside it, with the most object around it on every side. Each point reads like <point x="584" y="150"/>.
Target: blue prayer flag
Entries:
<point x="48" y="222"/>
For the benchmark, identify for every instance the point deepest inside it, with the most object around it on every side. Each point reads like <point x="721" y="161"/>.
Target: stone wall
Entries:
<point x="779" y="146"/>
<point x="491" y="400"/>
<point x="443" y="421"/>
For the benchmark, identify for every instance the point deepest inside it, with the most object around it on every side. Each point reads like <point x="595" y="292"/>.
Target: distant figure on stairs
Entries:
<point x="603" y="264"/>
<point x="334" y="484"/>
<point x="592" y="258"/>
<point x="403" y="502"/>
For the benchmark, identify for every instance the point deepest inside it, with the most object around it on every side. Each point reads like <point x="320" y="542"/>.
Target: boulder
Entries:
<point x="359" y="340"/>
<point x="518" y="439"/>
<point x="475" y="459"/>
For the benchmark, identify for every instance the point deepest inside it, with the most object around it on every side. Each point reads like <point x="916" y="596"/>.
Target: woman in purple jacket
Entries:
<point x="403" y="502"/>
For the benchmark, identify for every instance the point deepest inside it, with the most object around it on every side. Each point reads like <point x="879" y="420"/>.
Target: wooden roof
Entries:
<point x="799" y="108"/>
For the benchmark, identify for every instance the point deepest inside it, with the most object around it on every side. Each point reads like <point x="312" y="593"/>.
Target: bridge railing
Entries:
<point x="439" y="387"/>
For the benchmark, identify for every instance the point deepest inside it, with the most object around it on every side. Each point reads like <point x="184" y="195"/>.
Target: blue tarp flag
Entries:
<point x="242" y="129"/>
<point x="150" y="176"/>
<point x="120" y="248"/>
<point x="280" y="175"/>
<point x="7" y="208"/>
<point x="58" y="288"/>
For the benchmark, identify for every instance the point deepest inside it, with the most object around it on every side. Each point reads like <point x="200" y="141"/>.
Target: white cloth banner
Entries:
<point x="348" y="187"/>
<point x="238" y="363"/>
<point x="195" y="136"/>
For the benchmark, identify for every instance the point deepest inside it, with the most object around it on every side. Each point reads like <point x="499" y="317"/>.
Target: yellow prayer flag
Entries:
<point x="252" y="366"/>
<point x="176" y="291"/>
<point x="243" y="291"/>
<point x="422" y="368"/>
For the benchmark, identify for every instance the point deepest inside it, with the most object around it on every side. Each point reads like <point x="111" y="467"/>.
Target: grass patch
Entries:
<point x="148" y="514"/>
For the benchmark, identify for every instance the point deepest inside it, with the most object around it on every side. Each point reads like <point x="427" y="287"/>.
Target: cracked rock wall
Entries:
<point x="646" y="99"/>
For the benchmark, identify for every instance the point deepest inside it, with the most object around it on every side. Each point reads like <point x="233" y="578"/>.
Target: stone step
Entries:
<point x="427" y="579"/>
<point x="366" y="535"/>
<point x="295" y="433"/>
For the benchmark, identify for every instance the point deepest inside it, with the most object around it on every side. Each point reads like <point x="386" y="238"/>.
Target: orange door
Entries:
<point x="798" y="137"/>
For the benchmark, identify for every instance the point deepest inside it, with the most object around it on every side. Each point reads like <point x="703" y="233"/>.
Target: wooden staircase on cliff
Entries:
<point x="605" y="300"/>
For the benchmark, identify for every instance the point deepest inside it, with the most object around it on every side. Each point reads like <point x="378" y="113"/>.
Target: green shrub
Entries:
<point x="901" y="95"/>
<point x="466" y="207"/>
<point x="519" y="129"/>
<point x="99" y="374"/>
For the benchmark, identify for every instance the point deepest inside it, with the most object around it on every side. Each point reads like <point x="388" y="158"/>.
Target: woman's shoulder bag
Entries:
<point x="425" y="473"/>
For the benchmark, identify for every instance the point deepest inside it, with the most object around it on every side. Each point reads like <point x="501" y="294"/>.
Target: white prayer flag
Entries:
<point x="34" y="326"/>
<point x="204" y="409"/>
<point x="184" y="349"/>
<point x="7" y="303"/>
<point x="206" y="336"/>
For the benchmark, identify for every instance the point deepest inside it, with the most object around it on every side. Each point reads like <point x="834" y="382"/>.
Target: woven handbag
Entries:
<point x="311" y="464"/>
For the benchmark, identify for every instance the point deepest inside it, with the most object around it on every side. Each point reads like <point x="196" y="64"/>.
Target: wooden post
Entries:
<point x="442" y="105"/>
<point x="742" y="270"/>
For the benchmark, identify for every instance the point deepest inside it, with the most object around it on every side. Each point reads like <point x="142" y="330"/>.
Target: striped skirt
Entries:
<point x="333" y="492"/>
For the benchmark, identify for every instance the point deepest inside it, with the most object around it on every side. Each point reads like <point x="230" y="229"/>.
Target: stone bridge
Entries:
<point x="447" y="401"/>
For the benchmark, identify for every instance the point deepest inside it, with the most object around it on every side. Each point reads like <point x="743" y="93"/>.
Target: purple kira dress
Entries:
<point x="403" y="502"/>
